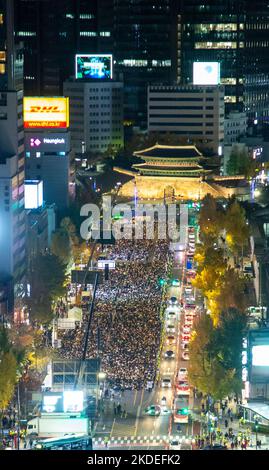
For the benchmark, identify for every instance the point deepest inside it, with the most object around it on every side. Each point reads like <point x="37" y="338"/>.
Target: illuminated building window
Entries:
<point x="69" y="15"/>
<point x="105" y="33"/>
<point x="228" y="81"/>
<point x="2" y="55"/>
<point x="2" y="68"/>
<point x="135" y="63"/>
<point x="229" y="99"/>
<point x="216" y="45"/>
<point x="26" y="33"/>
<point x="88" y="33"/>
<point x="1" y="18"/>
<point x="205" y="28"/>
<point x="161" y="63"/>
<point x="86" y="16"/>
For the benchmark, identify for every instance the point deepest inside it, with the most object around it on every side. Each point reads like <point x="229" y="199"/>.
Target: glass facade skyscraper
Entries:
<point x="213" y="31"/>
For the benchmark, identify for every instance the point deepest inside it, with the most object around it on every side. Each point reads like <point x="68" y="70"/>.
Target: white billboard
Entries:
<point x="73" y="401"/>
<point x="260" y="355"/>
<point x="33" y="194"/>
<point x="206" y="73"/>
<point x="102" y="264"/>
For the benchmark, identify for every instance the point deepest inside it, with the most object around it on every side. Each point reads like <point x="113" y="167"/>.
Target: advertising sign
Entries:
<point x="33" y="194"/>
<point x="206" y="73"/>
<point x="94" y="66"/>
<point x="258" y="355"/>
<point x="73" y="401"/>
<point x="47" y="141"/>
<point x="101" y="264"/>
<point x="46" y="113"/>
<point x="52" y="403"/>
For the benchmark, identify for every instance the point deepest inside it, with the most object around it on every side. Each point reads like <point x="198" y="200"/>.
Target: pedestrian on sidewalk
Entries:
<point x="226" y="423"/>
<point x="232" y="445"/>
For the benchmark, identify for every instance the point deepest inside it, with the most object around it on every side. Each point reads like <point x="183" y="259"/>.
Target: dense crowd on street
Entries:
<point x="126" y="328"/>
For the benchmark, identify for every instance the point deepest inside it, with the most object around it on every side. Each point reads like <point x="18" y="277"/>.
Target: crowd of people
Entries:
<point x="126" y="328"/>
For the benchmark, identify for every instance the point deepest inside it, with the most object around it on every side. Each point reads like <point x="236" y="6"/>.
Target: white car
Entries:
<point x="175" y="445"/>
<point x="182" y="373"/>
<point x="166" y="382"/>
<point x="186" y="329"/>
<point x="173" y="301"/>
<point x="170" y="328"/>
<point x="171" y="315"/>
<point x="185" y="356"/>
<point x="188" y="290"/>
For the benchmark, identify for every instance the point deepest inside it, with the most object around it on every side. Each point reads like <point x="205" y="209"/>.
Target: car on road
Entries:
<point x="182" y="373"/>
<point x="188" y="290"/>
<point x="188" y="322"/>
<point x="215" y="447"/>
<point x="183" y="387"/>
<point x="170" y="328"/>
<point x="185" y="338"/>
<point x="169" y="354"/>
<point x="175" y="282"/>
<point x="189" y="306"/>
<point x="153" y="410"/>
<point x="171" y="315"/>
<point x="185" y="356"/>
<point x="191" y="274"/>
<point x="186" y="329"/>
<point x="166" y="382"/>
<point x="171" y="339"/>
<point x="175" y="445"/>
<point x="173" y="301"/>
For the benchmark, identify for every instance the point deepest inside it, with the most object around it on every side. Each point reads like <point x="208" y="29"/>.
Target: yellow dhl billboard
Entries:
<point x="46" y="112"/>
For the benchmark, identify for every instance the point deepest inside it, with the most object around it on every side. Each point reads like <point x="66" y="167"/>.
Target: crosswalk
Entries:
<point x="122" y="429"/>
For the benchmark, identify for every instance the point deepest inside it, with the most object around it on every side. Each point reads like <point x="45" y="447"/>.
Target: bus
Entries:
<point x="181" y="409"/>
<point x="75" y="442"/>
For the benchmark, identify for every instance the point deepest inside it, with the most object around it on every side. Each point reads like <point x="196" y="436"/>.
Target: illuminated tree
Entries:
<point x="237" y="230"/>
<point x="210" y="220"/>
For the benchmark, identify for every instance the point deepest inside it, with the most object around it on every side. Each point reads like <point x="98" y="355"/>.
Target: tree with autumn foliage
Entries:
<point x="215" y="366"/>
<point x="211" y="220"/>
<point x="11" y="364"/>
<point x="236" y="228"/>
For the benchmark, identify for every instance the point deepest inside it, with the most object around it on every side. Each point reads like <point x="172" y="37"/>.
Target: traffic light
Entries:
<point x="161" y="282"/>
<point x="256" y="424"/>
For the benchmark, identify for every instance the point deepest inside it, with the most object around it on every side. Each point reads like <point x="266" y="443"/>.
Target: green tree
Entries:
<point x="47" y="278"/>
<point x="210" y="220"/>
<point x="237" y="230"/>
<point x="241" y="163"/>
<point x="10" y="367"/>
<point x="61" y="246"/>
<point x="215" y="359"/>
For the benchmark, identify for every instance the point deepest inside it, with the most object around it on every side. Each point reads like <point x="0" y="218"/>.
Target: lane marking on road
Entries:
<point x="138" y="412"/>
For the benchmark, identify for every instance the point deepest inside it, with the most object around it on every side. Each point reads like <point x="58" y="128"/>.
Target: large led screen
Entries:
<point x="260" y="355"/>
<point x="94" y="66"/>
<point x="206" y="73"/>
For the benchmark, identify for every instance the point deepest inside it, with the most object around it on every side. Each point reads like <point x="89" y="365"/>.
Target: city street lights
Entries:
<point x="256" y="430"/>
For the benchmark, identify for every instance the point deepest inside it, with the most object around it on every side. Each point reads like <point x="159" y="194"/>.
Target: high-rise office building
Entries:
<point x="234" y="33"/>
<point x="53" y="32"/>
<point x="144" y="50"/>
<point x="12" y="215"/>
<point x="213" y="31"/>
<point x="256" y="66"/>
<point x="138" y="33"/>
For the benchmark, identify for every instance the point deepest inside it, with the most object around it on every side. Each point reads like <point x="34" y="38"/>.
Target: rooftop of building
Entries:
<point x="185" y="88"/>
<point x="170" y="152"/>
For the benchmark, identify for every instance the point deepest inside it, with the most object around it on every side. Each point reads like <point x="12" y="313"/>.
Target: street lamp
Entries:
<point x="256" y="430"/>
